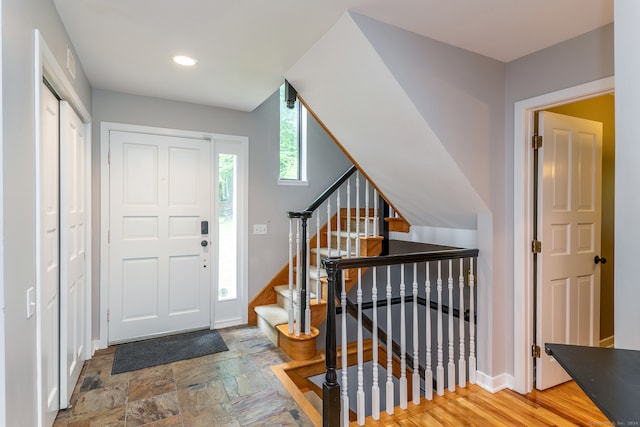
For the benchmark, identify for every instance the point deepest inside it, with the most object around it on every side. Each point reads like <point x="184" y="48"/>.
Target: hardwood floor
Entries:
<point x="564" y="405"/>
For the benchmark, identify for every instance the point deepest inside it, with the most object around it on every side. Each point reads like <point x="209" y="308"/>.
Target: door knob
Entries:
<point x="204" y="243"/>
<point x="598" y="260"/>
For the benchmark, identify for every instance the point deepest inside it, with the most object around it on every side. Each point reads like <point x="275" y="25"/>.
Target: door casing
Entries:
<point x="105" y="129"/>
<point x="523" y="219"/>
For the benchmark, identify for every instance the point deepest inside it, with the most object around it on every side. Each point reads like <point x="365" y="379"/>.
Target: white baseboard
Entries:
<point x="95" y="346"/>
<point x="494" y="384"/>
<point x="607" y="342"/>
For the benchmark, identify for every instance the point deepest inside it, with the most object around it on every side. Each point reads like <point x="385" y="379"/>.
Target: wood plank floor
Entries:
<point x="564" y="405"/>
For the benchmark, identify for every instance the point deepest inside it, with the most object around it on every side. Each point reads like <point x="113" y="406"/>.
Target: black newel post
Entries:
<point x="331" y="388"/>
<point x="384" y="225"/>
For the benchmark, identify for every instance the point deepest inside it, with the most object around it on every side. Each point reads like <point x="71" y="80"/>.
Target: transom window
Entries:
<point x="293" y="139"/>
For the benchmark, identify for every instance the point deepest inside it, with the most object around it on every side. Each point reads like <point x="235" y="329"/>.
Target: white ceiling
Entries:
<point x="245" y="47"/>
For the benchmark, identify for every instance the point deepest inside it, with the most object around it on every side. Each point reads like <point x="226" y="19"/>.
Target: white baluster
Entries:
<point x="462" y="367"/>
<point x="403" y="343"/>
<point x="428" y="374"/>
<point x="357" y="215"/>
<point x="290" y="307"/>
<point x="298" y="276"/>
<point x="329" y="226"/>
<point x="318" y="262"/>
<point x="376" y="200"/>
<point x="348" y="218"/>
<point x="360" y="394"/>
<point x="375" y="388"/>
<point x="440" y="367"/>
<point x="451" y="375"/>
<point x="338" y="224"/>
<point x="307" y="302"/>
<point x="345" y="365"/>
<point x="390" y="400"/>
<point x="416" y="362"/>
<point x="472" y="326"/>
<point x="366" y="208"/>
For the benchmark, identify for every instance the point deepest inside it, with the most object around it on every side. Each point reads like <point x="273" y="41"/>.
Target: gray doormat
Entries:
<point x="159" y="351"/>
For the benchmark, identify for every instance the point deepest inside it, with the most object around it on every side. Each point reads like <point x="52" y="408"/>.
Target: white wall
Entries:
<point x="20" y="19"/>
<point x="268" y="201"/>
<point x="627" y="177"/>
<point x="3" y="410"/>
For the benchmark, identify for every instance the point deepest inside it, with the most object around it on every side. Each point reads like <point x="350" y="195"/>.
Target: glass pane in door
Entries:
<point x="227" y="228"/>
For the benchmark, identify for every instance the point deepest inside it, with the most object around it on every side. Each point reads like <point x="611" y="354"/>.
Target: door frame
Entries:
<point x="46" y="65"/>
<point x="105" y="129"/>
<point x="523" y="218"/>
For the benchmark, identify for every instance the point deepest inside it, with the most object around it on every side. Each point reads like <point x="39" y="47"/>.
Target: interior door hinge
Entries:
<point x="108" y="236"/>
<point x="536" y="142"/>
<point x="535" y="351"/>
<point x="109" y="157"/>
<point x="108" y="315"/>
<point x="536" y="246"/>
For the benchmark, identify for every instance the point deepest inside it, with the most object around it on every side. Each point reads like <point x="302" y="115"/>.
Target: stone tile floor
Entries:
<point x="231" y="388"/>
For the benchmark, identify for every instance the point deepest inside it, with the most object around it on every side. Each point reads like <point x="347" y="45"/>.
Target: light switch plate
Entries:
<point x="31" y="302"/>
<point x="259" y="228"/>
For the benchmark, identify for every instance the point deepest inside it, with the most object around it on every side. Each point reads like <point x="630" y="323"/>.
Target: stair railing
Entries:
<point x="421" y="269"/>
<point x="300" y="224"/>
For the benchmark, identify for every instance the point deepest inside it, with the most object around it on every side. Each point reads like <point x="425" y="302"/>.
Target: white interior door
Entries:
<point x="570" y="187"/>
<point x="73" y="225"/>
<point x="50" y="259"/>
<point x="159" y="266"/>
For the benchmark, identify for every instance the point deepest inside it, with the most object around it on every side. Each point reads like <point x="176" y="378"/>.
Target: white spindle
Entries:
<point x="375" y="388"/>
<point x="472" y="327"/>
<point x="451" y="374"/>
<point x="348" y="218"/>
<point x="416" y="362"/>
<point x="344" y="389"/>
<point x="428" y="374"/>
<point x="357" y="215"/>
<point x="360" y="394"/>
<point x="366" y="208"/>
<point x="318" y="262"/>
<point x="290" y="308"/>
<point x="375" y="213"/>
<point x="298" y="276"/>
<point x="307" y="302"/>
<point x="338" y="223"/>
<point x="440" y="368"/>
<point x="329" y="226"/>
<point x="403" y="343"/>
<point x="462" y="371"/>
<point x="390" y="400"/>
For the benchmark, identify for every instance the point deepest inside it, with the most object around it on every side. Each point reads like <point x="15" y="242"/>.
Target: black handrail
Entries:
<point x="329" y="191"/>
<point x="365" y="262"/>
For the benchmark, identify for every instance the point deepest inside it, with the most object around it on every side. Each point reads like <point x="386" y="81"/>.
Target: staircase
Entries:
<point x="273" y="318"/>
<point x="342" y="222"/>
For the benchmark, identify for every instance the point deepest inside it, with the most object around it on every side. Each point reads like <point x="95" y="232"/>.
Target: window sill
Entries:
<point x="293" y="183"/>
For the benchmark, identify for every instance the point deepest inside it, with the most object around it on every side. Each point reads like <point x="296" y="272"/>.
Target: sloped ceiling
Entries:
<point x="360" y="100"/>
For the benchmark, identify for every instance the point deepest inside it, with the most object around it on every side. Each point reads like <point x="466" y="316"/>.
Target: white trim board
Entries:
<point x="523" y="220"/>
<point x="105" y="129"/>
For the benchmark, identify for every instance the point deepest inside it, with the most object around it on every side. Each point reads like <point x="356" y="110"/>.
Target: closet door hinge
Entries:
<point x="536" y="142"/>
<point x="535" y="351"/>
<point x="536" y="246"/>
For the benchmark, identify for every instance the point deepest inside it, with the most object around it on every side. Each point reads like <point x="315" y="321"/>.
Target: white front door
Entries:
<point x="570" y="187"/>
<point x="159" y="255"/>
<point x="73" y="270"/>
<point x="50" y="261"/>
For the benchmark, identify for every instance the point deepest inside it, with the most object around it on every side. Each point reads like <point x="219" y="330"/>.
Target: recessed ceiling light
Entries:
<point x="187" y="61"/>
